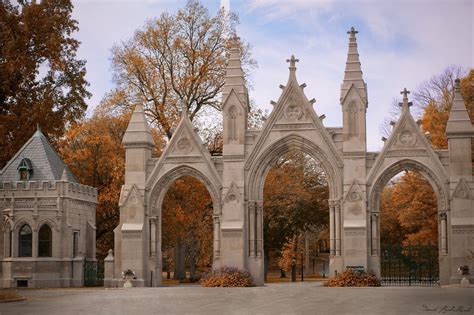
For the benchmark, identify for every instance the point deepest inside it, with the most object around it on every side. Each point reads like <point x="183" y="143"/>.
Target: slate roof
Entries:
<point x="46" y="163"/>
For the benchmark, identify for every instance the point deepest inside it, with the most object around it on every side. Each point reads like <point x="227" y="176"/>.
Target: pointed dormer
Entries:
<point x="353" y="100"/>
<point x="139" y="144"/>
<point x="459" y="124"/>
<point x="235" y="103"/>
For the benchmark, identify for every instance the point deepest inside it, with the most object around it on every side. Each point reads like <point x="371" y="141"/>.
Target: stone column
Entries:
<point x="444" y="235"/>
<point x="374" y="240"/>
<point x="153" y="236"/>
<point x="252" y="221"/>
<point x="217" y="236"/>
<point x="332" y="229"/>
<point x="337" y="219"/>
<point x="259" y="236"/>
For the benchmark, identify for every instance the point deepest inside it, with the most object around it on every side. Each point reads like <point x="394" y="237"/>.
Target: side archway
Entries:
<point x="155" y="204"/>
<point x="440" y="188"/>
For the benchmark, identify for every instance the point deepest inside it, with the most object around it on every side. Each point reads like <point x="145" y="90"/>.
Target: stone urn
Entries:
<point x="128" y="275"/>
<point x="464" y="271"/>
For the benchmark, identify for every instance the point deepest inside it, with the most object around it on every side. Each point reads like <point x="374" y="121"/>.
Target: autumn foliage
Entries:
<point x="41" y="80"/>
<point x="187" y="227"/>
<point x="94" y="152"/>
<point x="228" y="277"/>
<point x="409" y="212"/>
<point x="351" y="278"/>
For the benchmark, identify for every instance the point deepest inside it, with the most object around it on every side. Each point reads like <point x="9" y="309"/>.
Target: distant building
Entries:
<point x="47" y="232"/>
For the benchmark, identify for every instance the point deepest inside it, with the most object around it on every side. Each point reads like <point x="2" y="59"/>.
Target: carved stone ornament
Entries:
<point x="462" y="190"/>
<point x="293" y="112"/>
<point x="233" y="194"/>
<point x="355" y="193"/>
<point x="184" y="145"/>
<point x="406" y="138"/>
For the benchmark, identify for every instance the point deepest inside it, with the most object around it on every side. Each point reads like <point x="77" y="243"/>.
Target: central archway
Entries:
<point x="257" y="171"/>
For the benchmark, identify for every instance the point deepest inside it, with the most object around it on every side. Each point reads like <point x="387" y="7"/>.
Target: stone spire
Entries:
<point x="353" y="71"/>
<point x="234" y="77"/>
<point x="138" y="132"/>
<point x="459" y="123"/>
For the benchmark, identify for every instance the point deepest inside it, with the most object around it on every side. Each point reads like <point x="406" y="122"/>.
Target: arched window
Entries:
<point x="45" y="241"/>
<point x="25" y="241"/>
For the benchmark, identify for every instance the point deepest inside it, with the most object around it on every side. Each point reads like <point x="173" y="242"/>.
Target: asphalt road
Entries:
<point x="298" y="298"/>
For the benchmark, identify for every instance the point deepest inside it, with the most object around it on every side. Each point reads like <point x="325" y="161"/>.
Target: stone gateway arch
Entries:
<point x="235" y="180"/>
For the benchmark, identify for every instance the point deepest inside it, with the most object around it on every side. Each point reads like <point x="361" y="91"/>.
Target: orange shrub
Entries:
<point x="227" y="277"/>
<point x="350" y="278"/>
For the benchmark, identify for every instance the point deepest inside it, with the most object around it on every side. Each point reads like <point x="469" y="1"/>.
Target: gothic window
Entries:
<point x="45" y="241"/>
<point x="25" y="241"/>
<point x="25" y="169"/>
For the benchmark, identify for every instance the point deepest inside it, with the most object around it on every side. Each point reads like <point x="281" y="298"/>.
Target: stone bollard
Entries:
<point x="109" y="269"/>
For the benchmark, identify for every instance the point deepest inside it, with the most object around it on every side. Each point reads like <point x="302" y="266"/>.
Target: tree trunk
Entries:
<point x="179" y="265"/>
<point x="282" y="273"/>
<point x="293" y="273"/>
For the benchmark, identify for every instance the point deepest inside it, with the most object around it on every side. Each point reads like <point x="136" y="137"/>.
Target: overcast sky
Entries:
<point x="401" y="44"/>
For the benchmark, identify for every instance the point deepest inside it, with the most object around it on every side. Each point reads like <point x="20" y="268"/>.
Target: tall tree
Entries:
<point x="174" y="61"/>
<point x="93" y="151"/>
<point x="187" y="227"/>
<point x="41" y="80"/>
<point x="295" y="201"/>
<point x="409" y="212"/>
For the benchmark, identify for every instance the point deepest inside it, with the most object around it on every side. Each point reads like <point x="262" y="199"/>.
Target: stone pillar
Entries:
<point x="259" y="236"/>
<point x="252" y="222"/>
<point x="444" y="234"/>
<point x="217" y="236"/>
<point x="332" y="229"/>
<point x="153" y="236"/>
<point x="109" y="269"/>
<point x="374" y="239"/>
<point x="337" y="219"/>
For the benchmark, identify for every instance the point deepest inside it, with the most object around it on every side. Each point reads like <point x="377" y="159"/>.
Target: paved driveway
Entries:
<point x="299" y="298"/>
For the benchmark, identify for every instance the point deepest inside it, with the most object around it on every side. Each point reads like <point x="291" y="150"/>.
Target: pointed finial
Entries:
<point x="184" y="110"/>
<point x="405" y="93"/>
<point x="352" y="32"/>
<point x="406" y="104"/>
<point x="292" y="62"/>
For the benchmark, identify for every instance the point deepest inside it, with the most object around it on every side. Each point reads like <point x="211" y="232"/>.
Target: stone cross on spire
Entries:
<point x="292" y="62"/>
<point x="406" y="104"/>
<point x="352" y="32"/>
<point x="405" y="93"/>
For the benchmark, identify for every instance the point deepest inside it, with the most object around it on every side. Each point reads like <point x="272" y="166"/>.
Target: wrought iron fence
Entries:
<point x="412" y="265"/>
<point x="93" y="273"/>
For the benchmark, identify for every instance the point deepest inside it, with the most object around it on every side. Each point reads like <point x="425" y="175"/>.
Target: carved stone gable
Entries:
<point x="462" y="190"/>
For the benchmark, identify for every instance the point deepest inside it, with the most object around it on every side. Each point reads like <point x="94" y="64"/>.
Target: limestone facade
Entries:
<point x="235" y="180"/>
<point x="47" y="231"/>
